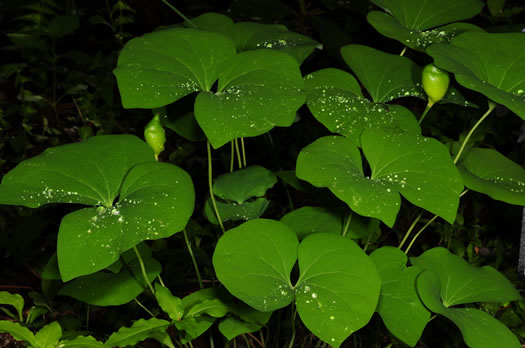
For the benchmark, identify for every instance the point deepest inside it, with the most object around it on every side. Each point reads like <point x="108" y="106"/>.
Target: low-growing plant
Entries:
<point x="277" y="275"/>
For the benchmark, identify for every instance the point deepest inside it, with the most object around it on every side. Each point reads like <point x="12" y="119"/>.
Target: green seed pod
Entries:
<point x="155" y="135"/>
<point x="435" y="83"/>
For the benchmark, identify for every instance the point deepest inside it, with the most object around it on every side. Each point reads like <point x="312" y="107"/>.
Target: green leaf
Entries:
<point x="232" y="327"/>
<point x="309" y="220"/>
<point x="243" y="184"/>
<point x="48" y="336"/>
<point x="139" y="331"/>
<point x="82" y="342"/>
<point x="254" y="260"/>
<point x="62" y="25"/>
<point x="156" y="200"/>
<point x="335" y="100"/>
<point x="51" y="269"/>
<point x="419" y="168"/>
<point x="14" y="300"/>
<point x="415" y="38"/>
<point x="215" y="307"/>
<point x="215" y="22"/>
<point x="479" y="329"/>
<point x="193" y="327"/>
<point x="338" y="287"/>
<point x="169" y="303"/>
<point x="160" y="67"/>
<point x="429" y="14"/>
<point x="489" y="172"/>
<point x="179" y="117"/>
<point x="89" y="172"/>
<point x="399" y="305"/>
<point x="235" y="212"/>
<point x="259" y="90"/>
<point x="463" y="283"/>
<point x="18" y="332"/>
<point x="385" y="76"/>
<point x="108" y="289"/>
<point x="498" y="73"/>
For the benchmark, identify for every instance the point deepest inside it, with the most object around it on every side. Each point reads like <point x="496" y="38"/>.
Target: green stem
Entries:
<point x="232" y="156"/>
<point x="492" y="105"/>
<point x="367" y="242"/>
<point x="161" y="282"/>
<point x="410" y="230"/>
<point x="347" y="225"/>
<point x="143" y="269"/>
<point x="294" y="312"/>
<point x="186" y="19"/>
<point x="427" y="109"/>
<point x="243" y="152"/>
<point x="210" y="185"/>
<point x="190" y="250"/>
<point x="238" y="153"/>
<point x="403" y="51"/>
<point x="144" y="308"/>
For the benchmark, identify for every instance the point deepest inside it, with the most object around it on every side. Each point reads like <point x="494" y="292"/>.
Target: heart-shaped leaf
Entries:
<point x="498" y="73"/>
<point x="423" y="15"/>
<point x="419" y="168"/>
<point x="156" y="200"/>
<point x="139" y="331"/>
<point x="259" y="90"/>
<point x="463" y="283"/>
<point x="335" y="100"/>
<point x="416" y="39"/>
<point x="160" y="67"/>
<point x="234" y="211"/>
<point x="107" y="289"/>
<point x="487" y="171"/>
<point x="216" y="22"/>
<point x="338" y="287"/>
<point x="243" y="184"/>
<point x="399" y="305"/>
<point x="254" y="260"/>
<point x="479" y="329"/>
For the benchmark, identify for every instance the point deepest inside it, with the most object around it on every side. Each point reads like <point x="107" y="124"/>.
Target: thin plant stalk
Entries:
<point x="410" y="230"/>
<point x="143" y="269"/>
<point x="237" y="150"/>
<point x="190" y="250"/>
<point x="347" y="225"/>
<point x="243" y="152"/>
<point x="492" y="105"/>
<point x="294" y="312"/>
<point x="232" y="156"/>
<point x="144" y="308"/>
<point x="403" y="51"/>
<point x="181" y="15"/>
<point x="210" y="185"/>
<point x="427" y="109"/>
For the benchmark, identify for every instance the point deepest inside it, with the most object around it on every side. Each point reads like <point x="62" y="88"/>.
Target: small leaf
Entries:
<point x="309" y="220"/>
<point x="169" y="303"/>
<point x="139" y="331"/>
<point x="82" y="342"/>
<point x="489" y="172"/>
<point x="463" y="283"/>
<point x="399" y="305"/>
<point x="48" y="336"/>
<point x="261" y="89"/>
<point x="232" y="327"/>
<point x="18" y="332"/>
<point x="243" y="184"/>
<point x="62" y="25"/>
<point x="14" y="300"/>
<point x="216" y="308"/>
<point x="479" y="329"/>
<point x="498" y="73"/>
<point x="236" y="212"/>
<point x="338" y="287"/>
<point x="216" y="22"/>
<point x="254" y="260"/>
<point x="193" y="327"/>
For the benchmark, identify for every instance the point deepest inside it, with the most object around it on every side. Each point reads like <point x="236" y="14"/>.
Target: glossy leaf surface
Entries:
<point x="14" y="300"/>
<point x="234" y="211"/>
<point x="399" y="305"/>
<point x="48" y="336"/>
<point x="243" y="184"/>
<point x="498" y="73"/>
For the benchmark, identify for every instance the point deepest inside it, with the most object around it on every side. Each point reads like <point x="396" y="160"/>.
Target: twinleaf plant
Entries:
<point x="325" y="269"/>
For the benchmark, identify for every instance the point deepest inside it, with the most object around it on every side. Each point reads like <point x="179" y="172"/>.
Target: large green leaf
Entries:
<point x="89" y="172"/>
<point x="48" y="336"/>
<point x="259" y="90"/>
<point x="479" y="329"/>
<point x="156" y="200"/>
<point x="487" y="171"/>
<point x="414" y="14"/>
<point x="14" y="300"/>
<point x="243" y="184"/>
<point x="254" y="260"/>
<point x="498" y="73"/>
<point x="419" y="168"/>
<point x="463" y="283"/>
<point x="414" y="38"/>
<point x="160" y="67"/>
<point x="18" y="332"/>
<point x="399" y="305"/>
<point x="338" y="287"/>
<point x="385" y="76"/>
<point x="216" y="22"/>
<point x="139" y="331"/>
<point x="335" y="100"/>
<point x="107" y="289"/>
